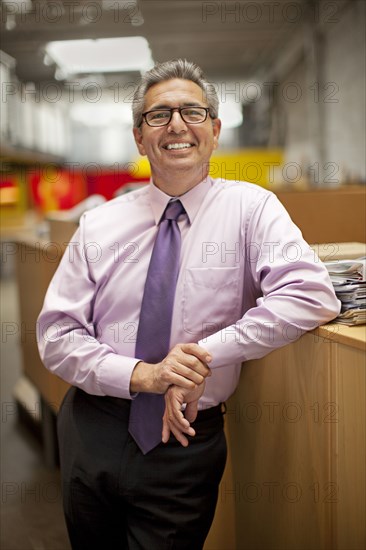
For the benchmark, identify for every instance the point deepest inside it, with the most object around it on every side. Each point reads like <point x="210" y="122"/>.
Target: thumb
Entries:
<point x="191" y="411"/>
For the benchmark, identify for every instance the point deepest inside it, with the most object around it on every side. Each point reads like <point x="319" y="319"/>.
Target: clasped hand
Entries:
<point x="181" y="377"/>
<point x="174" y="420"/>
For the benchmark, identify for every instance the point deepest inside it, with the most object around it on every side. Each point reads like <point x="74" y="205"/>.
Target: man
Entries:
<point x="242" y="283"/>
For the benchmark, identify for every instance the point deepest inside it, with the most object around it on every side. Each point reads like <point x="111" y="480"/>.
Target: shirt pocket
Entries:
<point x="210" y="299"/>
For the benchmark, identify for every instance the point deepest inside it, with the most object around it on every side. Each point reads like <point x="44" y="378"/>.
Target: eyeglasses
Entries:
<point x="162" y="117"/>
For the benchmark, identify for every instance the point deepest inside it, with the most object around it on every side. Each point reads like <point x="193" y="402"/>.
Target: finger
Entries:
<point x="176" y="372"/>
<point x="179" y="435"/>
<point x="180" y="422"/>
<point x="174" y="415"/>
<point x="192" y="363"/>
<point x="197" y="351"/>
<point x="170" y="427"/>
<point x="166" y="430"/>
<point x="190" y="373"/>
<point x="184" y="362"/>
<point x="174" y="379"/>
<point x="181" y="438"/>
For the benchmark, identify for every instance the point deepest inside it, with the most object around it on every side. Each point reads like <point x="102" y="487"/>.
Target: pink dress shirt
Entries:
<point x="248" y="284"/>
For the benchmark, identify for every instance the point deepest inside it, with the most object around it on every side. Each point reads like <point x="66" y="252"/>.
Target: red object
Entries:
<point x="56" y="188"/>
<point x="108" y="182"/>
<point x="60" y="189"/>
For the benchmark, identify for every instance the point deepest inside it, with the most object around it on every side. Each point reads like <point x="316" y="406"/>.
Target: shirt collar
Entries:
<point x="191" y="200"/>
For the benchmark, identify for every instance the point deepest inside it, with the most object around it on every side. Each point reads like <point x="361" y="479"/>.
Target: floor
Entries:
<point x="31" y="502"/>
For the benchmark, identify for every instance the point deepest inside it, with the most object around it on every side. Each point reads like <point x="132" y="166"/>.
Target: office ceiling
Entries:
<point x="229" y="40"/>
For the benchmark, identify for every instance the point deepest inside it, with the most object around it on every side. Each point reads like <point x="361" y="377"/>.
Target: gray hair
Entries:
<point x="177" y="68"/>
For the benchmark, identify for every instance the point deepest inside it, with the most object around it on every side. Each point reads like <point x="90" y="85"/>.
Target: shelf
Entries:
<point x="20" y="155"/>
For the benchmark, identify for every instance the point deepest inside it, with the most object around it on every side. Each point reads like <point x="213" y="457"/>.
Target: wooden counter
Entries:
<point x="36" y="263"/>
<point x="296" y="431"/>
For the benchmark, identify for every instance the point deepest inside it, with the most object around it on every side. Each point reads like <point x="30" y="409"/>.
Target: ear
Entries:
<point x="137" y="134"/>
<point x="216" y="126"/>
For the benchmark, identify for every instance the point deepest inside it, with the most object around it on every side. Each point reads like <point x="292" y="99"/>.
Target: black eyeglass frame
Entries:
<point x="179" y="109"/>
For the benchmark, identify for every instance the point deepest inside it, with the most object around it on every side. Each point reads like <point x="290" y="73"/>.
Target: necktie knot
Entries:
<point x="173" y="211"/>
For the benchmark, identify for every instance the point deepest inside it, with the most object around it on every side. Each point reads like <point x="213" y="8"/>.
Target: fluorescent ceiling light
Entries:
<point x="104" y="55"/>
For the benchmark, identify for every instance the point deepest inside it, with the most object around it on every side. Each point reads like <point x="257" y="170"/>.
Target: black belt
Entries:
<point x="121" y="405"/>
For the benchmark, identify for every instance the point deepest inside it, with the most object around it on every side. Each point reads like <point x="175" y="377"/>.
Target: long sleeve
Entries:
<point x="68" y="339"/>
<point x="294" y="292"/>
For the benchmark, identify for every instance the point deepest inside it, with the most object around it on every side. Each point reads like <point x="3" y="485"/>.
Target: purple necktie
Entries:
<point x="153" y="334"/>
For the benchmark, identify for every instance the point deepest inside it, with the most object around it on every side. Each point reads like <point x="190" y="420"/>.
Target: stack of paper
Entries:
<point x="349" y="281"/>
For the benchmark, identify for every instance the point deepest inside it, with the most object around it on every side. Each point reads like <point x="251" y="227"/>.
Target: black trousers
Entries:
<point x="117" y="498"/>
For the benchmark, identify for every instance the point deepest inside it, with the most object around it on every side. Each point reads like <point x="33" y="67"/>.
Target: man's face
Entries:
<point x="201" y="139"/>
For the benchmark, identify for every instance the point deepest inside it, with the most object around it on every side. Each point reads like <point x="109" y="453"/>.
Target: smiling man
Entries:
<point x="179" y="158"/>
<point x="193" y="277"/>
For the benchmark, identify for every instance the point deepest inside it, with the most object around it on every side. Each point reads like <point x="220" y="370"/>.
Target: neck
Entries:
<point x="178" y="184"/>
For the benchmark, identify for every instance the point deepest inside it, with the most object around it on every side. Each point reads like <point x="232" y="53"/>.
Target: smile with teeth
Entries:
<point x="178" y="146"/>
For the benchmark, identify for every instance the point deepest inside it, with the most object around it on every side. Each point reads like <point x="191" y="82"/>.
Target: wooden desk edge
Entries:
<point x="354" y="337"/>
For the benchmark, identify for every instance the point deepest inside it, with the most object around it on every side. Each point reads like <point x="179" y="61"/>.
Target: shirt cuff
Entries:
<point x="224" y="349"/>
<point x="114" y="375"/>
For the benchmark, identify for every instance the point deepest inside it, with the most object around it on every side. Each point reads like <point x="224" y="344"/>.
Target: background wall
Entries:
<point x="344" y="64"/>
<point x="326" y="125"/>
